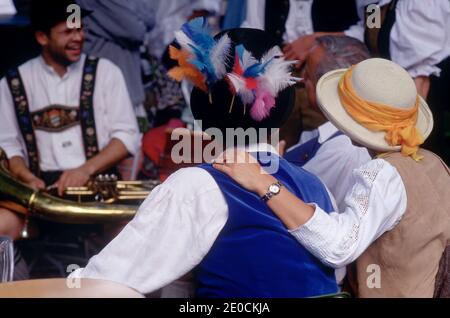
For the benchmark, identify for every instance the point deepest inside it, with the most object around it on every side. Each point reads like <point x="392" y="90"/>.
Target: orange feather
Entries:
<point x="186" y="70"/>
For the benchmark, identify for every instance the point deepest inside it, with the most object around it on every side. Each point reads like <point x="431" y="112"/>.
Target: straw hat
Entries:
<point x="375" y="80"/>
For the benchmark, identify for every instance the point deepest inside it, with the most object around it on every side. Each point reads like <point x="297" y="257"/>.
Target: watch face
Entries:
<point x="274" y="188"/>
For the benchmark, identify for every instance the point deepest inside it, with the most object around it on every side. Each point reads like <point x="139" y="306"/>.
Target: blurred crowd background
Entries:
<point x="135" y="36"/>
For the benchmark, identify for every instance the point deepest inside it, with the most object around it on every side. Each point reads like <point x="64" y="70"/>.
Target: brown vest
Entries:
<point x="409" y="256"/>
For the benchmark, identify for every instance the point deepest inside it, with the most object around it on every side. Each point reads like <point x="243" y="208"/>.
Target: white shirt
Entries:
<point x="7" y="7"/>
<point x="335" y="160"/>
<point x="298" y="23"/>
<point x="113" y="112"/>
<point x="178" y="223"/>
<point x="170" y="16"/>
<point x="420" y="37"/>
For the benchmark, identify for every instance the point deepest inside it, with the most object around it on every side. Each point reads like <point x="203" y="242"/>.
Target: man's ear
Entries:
<point x="42" y="38"/>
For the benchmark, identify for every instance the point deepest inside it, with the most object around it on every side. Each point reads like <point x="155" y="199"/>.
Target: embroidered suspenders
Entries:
<point x="23" y="118"/>
<point x="27" y="123"/>
<point x="88" y="130"/>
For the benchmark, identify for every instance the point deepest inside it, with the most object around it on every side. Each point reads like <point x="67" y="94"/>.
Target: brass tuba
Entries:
<point x="108" y="192"/>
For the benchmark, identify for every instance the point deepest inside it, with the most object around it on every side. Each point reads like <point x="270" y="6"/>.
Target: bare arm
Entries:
<point x="292" y="211"/>
<point x="19" y="169"/>
<point x="111" y="155"/>
<point x="299" y="49"/>
<point x="423" y="85"/>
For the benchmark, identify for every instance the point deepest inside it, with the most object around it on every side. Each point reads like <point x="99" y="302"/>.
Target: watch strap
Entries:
<point x="269" y="195"/>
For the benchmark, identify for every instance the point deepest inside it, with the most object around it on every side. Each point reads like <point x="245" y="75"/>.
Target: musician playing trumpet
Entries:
<point x="64" y="116"/>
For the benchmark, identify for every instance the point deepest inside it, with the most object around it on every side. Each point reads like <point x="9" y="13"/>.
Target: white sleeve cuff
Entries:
<point x="356" y="31"/>
<point x="131" y="140"/>
<point x="424" y="70"/>
<point x="14" y="152"/>
<point x="311" y="233"/>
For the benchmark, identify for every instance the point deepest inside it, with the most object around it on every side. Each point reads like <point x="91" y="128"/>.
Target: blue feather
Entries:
<point x="254" y="71"/>
<point x="198" y="32"/>
<point x="203" y="62"/>
<point x="240" y="50"/>
<point x="257" y="69"/>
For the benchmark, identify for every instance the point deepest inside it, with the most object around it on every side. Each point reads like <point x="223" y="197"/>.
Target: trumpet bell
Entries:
<point x="101" y="201"/>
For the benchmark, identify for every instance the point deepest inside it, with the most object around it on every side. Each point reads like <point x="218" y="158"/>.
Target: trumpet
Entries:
<point x="108" y="189"/>
<point x="103" y="200"/>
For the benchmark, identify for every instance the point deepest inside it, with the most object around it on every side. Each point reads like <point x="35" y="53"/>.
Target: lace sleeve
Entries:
<point x="374" y="205"/>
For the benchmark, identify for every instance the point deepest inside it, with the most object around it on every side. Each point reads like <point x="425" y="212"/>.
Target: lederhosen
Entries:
<point x="378" y="42"/>
<point x="56" y="118"/>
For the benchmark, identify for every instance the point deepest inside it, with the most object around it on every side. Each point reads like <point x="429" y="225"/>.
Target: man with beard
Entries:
<point x="64" y="116"/>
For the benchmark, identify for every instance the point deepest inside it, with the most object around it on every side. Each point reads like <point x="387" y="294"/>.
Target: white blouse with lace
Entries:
<point x="375" y="204"/>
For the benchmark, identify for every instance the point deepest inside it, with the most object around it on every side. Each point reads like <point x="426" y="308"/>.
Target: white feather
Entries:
<point x="278" y="75"/>
<point x="184" y="41"/>
<point x="272" y="53"/>
<point x="248" y="60"/>
<point x="236" y="81"/>
<point x="219" y="55"/>
<point x="239" y="86"/>
<point x="247" y="97"/>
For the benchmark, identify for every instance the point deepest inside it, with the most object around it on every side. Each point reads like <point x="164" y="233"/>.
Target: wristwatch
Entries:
<point x="274" y="189"/>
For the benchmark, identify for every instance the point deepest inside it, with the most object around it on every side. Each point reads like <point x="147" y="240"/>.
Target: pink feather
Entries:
<point x="264" y="102"/>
